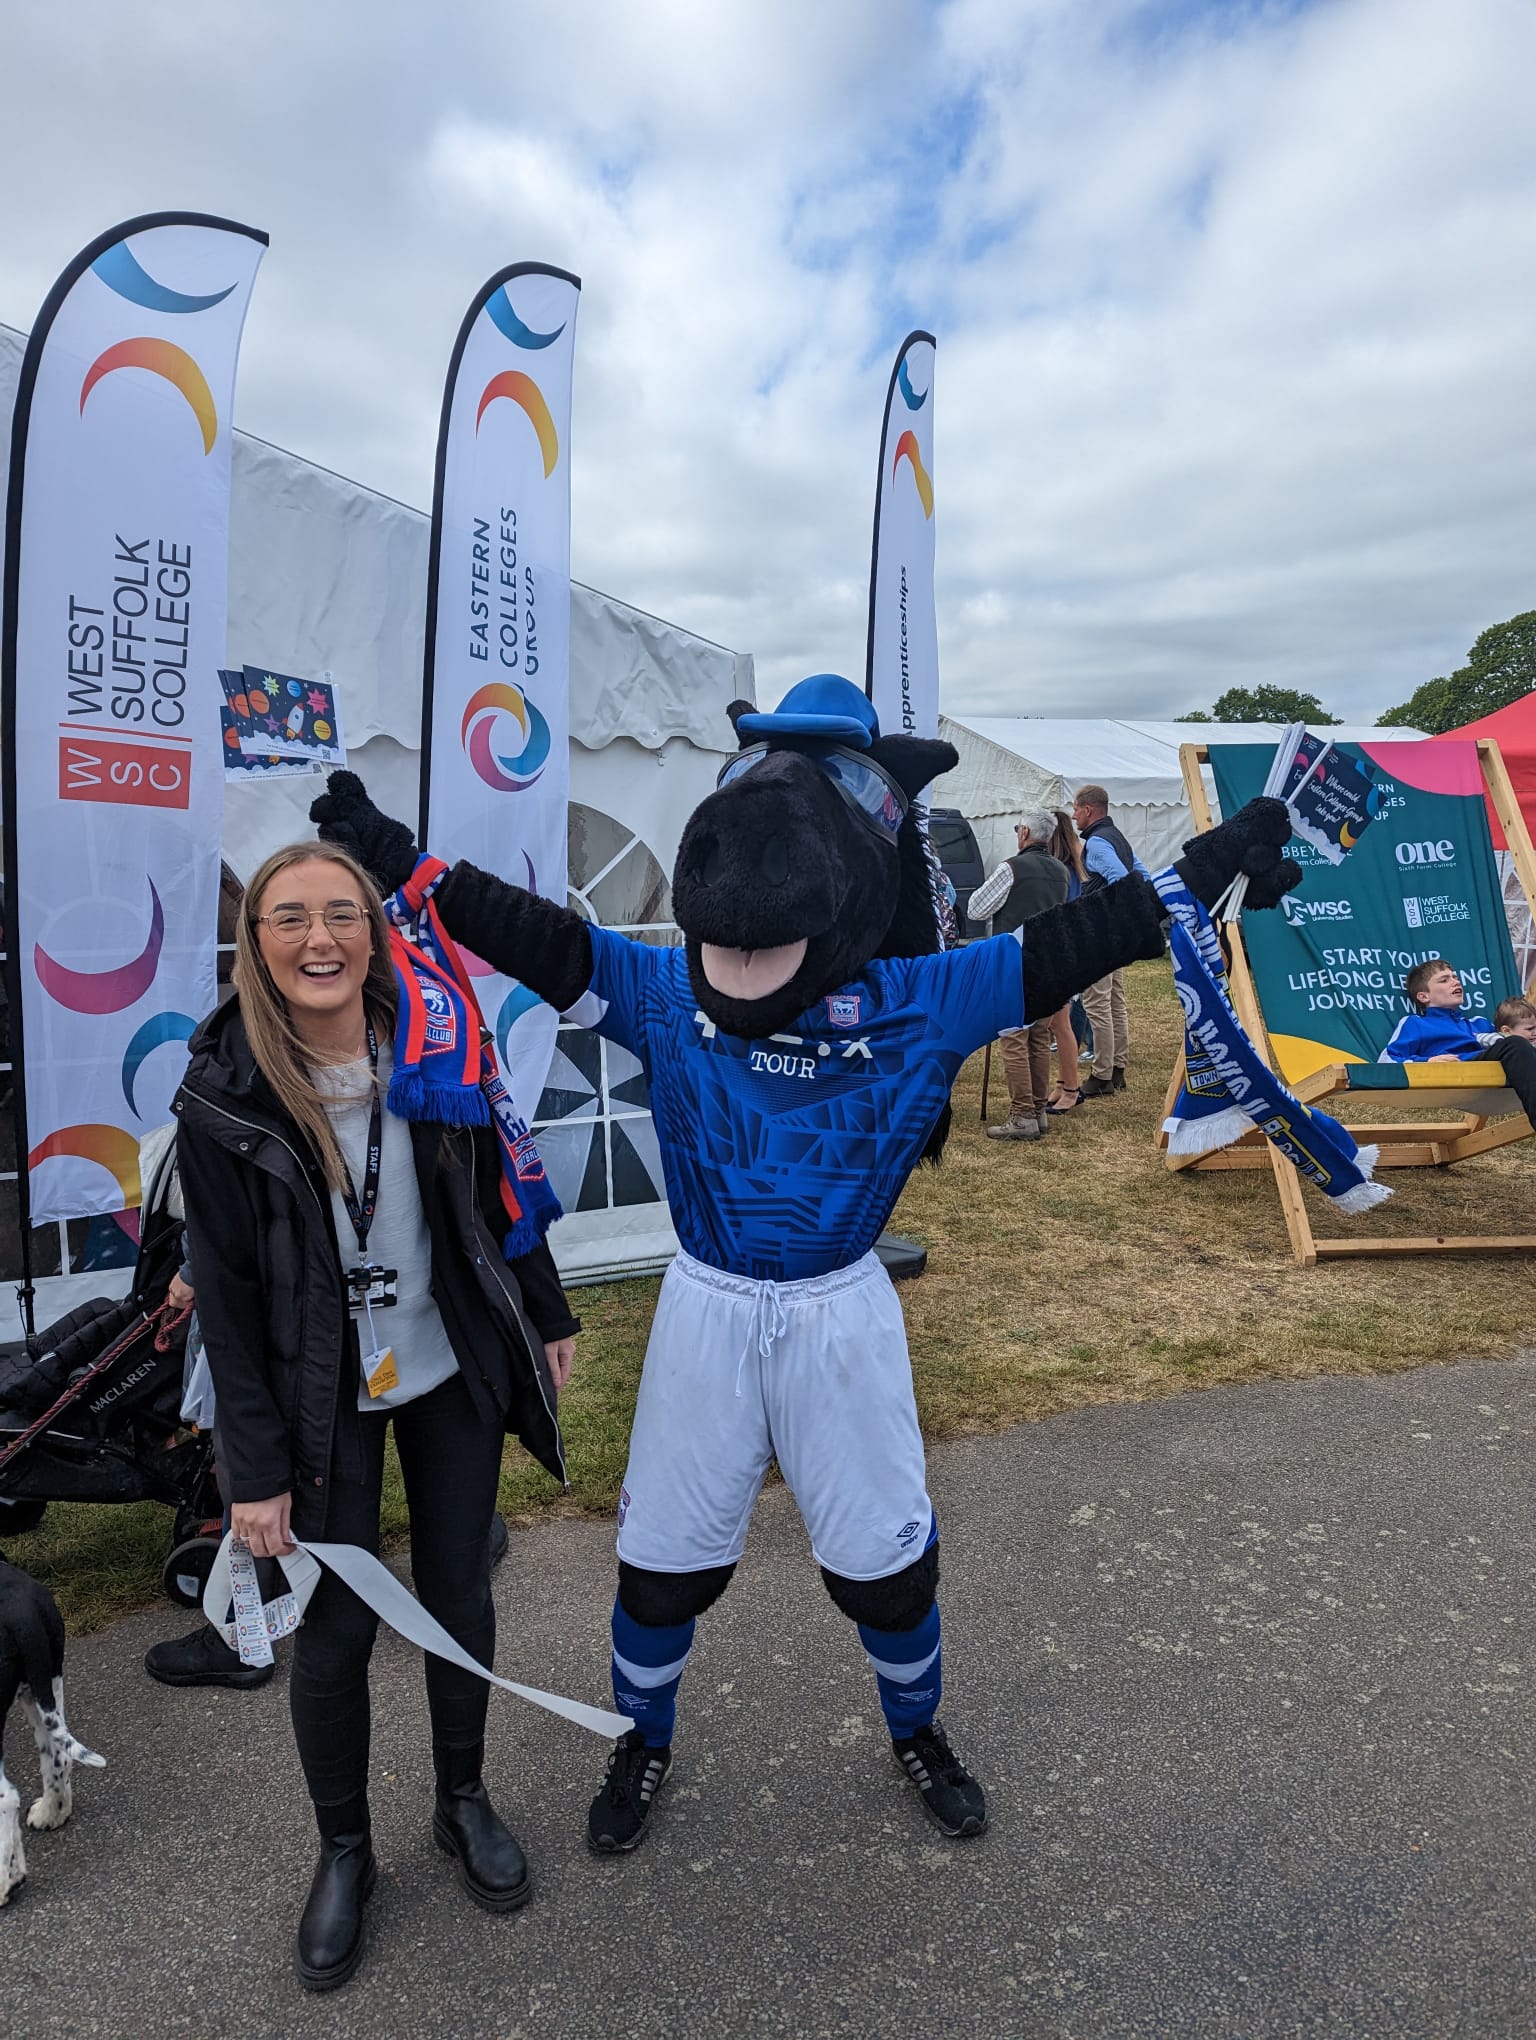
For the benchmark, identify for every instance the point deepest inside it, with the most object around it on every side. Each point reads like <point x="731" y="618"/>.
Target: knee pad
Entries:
<point x="662" y="1599"/>
<point x="899" y="1601"/>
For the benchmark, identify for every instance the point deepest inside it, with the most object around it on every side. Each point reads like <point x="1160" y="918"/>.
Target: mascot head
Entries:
<point x="806" y="862"/>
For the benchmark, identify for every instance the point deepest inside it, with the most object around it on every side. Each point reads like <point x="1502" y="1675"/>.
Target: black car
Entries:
<point x="960" y="855"/>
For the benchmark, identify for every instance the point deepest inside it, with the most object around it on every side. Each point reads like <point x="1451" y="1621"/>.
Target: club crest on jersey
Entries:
<point x="843" y="1008"/>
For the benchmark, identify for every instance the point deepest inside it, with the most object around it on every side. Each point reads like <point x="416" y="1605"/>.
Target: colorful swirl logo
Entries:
<point x="912" y="401"/>
<point x="498" y="309"/>
<point x="526" y="394"/>
<point x="907" y="449"/>
<point x="506" y="774"/>
<point x="165" y="359"/>
<point x="121" y="271"/>
<point x="109" y="1147"/>
<point x="104" y="991"/>
<point x="157" y="1031"/>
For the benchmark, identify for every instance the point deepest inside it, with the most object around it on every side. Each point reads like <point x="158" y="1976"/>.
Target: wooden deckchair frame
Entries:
<point x="1404" y="1144"/>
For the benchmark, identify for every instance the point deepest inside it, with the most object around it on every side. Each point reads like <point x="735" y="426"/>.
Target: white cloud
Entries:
<point x="1236" y="338"/>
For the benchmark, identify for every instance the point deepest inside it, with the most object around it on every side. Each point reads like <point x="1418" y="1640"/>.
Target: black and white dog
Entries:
<point x="32" y="1666"/>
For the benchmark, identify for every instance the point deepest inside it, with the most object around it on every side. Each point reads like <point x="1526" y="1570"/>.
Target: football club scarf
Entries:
<point x="445" y="1065"/>
<point x="1228" y="1088"/>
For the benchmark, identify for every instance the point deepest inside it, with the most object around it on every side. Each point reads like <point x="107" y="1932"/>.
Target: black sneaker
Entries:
<point x="203" y="1659"/>
<point x="952" y="1798"/>
<point x="616" y="1822"/>
<point x="1098" y="1087"/>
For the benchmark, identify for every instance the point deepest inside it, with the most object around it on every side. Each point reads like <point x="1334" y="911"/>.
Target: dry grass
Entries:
<point x="1078" y="1269"/>
<point x="1065" y="1271"/>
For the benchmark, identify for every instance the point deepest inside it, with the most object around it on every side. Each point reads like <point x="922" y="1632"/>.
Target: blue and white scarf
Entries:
<point x="1227" y="1087"/>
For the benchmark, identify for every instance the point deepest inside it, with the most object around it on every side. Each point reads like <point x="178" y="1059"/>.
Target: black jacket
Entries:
<point x="1039" y="881"/>
<point x="271" y="1295"/>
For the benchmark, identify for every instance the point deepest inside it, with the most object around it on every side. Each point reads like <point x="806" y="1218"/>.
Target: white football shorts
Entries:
<point x="739" y="1373"/>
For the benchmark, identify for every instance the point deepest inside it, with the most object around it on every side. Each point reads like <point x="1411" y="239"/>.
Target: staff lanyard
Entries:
<point x="361" y="1212"/>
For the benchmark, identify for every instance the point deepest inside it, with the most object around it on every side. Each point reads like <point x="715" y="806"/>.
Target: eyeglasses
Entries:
<point x="869" y="790"/>
<point x="343" y="918"/>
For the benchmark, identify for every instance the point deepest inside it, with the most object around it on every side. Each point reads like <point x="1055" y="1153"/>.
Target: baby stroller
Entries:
<point x="90" y="1411"/>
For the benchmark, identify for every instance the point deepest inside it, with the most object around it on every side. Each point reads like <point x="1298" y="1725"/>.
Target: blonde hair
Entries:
<point x="280" y="1051"/>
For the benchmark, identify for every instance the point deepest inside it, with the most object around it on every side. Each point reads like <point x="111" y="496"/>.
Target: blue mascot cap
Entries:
<point x="825" y="706"/>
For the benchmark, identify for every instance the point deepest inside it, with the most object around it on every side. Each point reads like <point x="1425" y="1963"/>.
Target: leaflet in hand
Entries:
<point x="1332" y="799"/>
<point x="294" y="718"/>
<point x="237" y="742"/>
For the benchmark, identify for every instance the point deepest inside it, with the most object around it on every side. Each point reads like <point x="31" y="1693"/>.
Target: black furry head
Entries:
<point x="778" y="859"/>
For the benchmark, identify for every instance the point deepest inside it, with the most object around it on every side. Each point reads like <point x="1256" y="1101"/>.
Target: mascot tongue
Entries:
<point x="750" y="973"/>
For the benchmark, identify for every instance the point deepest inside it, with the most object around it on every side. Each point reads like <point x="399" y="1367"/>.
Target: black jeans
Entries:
<point x="451" y="1460"/>
<point x="1519" y="1059"/>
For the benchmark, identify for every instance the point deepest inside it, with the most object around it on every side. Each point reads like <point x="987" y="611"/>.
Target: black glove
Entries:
<point x="345" y="815"/>
<point x="1252" y="842"/>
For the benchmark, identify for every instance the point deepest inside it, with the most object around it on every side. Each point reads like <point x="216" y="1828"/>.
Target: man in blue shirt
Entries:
<point x="1109" y="858"/>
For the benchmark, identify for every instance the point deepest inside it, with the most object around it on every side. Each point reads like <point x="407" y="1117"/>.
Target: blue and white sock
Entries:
<point x="909" y="1670"/>
<point x="648" y="1668"/>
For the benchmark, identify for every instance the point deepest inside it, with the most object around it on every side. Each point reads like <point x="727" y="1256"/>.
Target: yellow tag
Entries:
<point x="384" y="1375"/>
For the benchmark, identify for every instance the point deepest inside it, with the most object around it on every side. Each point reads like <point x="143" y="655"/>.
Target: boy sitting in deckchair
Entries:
<point x="1437" y="1030"/>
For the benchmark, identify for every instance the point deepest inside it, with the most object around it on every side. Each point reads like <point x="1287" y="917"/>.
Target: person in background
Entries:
<point x="1108" y="858"/>
<point x="1067" y="1094"/>
<point x="1024" y="884"/>
<point x="202" y="1657"/>
<point x="1440" y="1030"/>
<point x="1516" y="1016"/>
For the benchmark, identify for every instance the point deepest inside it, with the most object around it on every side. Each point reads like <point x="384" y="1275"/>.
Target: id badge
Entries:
<point x="380" y="1373"/>
<point x="371" y="1287"/>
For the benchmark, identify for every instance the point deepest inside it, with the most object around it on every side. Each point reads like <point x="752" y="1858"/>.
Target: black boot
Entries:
<point x="465" y="1825"/>
<point x="330" y="1943"/>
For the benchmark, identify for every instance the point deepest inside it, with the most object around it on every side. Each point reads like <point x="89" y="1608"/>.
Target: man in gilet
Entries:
<point x="1109" y="858"/>
<point x="1023" y="885"/>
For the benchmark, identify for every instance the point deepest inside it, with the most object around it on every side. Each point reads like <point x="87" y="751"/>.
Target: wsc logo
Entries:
<point x="1300" y="912"/>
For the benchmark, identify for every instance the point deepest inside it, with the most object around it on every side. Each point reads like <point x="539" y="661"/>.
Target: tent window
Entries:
<point x="594" y="1121"/>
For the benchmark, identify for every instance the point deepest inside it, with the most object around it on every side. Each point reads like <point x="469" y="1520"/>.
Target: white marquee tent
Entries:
<point x="329" y="577"/>
<point x="1014" y="762"/>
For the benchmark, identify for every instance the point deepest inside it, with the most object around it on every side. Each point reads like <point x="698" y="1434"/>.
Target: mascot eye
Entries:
<point x="871" y="792"/>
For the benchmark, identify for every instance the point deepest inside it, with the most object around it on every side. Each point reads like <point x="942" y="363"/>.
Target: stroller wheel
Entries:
<point x="187" y="1569"/>
<point x="16" y="1518"/>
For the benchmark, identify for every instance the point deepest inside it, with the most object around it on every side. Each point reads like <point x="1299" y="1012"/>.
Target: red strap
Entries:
<point x="428" y="871"/>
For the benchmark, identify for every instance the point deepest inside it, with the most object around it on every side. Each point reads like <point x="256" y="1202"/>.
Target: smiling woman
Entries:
<point x="289" y="1143"/>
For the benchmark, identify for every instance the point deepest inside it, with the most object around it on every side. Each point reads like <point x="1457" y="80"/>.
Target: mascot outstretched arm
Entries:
<point x="800" y="1050"/>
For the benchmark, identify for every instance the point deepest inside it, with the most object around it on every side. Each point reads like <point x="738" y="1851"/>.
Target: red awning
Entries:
<point x="1514" y="728"/>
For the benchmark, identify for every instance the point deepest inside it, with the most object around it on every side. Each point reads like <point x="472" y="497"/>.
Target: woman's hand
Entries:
<point x="263" y="1526"/>
<point x="560" y="1353"/>
<point x="180" y="1295"/>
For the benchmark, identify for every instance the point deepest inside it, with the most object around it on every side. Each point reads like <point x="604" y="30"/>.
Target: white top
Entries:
<point x="413" y="1329"/>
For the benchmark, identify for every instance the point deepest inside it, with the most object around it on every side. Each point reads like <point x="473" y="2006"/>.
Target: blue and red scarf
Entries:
<point x="445" y="1062"/>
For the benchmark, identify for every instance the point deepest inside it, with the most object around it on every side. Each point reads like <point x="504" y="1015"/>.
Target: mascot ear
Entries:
<point x="914" y="761"/>
<point x="737" y="710"/>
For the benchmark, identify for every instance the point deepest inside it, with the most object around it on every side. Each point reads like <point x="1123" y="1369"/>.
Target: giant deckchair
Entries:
<point x="1487" y="1113"/>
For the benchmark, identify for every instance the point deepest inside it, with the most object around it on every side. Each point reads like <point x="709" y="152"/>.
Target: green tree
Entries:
<point x="1263" y="704"/>
<point x="1500" y="667"/>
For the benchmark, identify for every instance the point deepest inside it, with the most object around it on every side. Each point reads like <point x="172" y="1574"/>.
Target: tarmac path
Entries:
<point x="1247" y="1674"/>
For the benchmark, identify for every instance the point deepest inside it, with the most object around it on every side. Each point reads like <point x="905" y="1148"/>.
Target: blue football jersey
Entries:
<point x="783" y="1158"/>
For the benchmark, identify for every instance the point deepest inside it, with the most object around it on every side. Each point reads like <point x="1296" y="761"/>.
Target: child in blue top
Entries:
<point x="1437" y="1030"/>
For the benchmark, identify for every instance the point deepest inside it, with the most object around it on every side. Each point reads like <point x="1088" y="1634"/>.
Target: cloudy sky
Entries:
<point x="1237" y="332"/>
